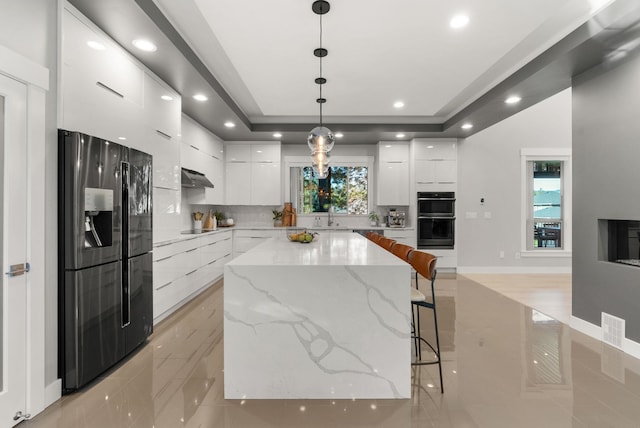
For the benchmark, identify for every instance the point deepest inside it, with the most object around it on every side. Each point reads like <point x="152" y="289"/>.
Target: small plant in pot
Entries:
<point x="277" y="218"/>
<point x="373" y="218"/>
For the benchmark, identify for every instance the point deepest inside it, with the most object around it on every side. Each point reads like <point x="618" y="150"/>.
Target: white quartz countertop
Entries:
<point x="328" y="248"/>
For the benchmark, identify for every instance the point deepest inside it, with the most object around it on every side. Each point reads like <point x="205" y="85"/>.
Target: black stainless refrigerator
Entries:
<point x="105" y="263"/>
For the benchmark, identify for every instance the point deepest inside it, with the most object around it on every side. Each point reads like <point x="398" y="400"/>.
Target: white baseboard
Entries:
<point x="595" y="331"/>
<point x="52" y="392"/>
<point x="513" y="269"/>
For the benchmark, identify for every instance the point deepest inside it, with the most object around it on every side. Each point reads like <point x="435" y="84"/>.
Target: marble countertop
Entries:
<point x="328" y="248"/>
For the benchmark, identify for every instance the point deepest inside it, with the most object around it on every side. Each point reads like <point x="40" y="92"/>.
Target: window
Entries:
<point x="345" y="189"/>
<point x="546" y="200"/>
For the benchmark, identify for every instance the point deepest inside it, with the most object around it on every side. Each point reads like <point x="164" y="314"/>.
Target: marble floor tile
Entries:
<point x="509" y="360"/>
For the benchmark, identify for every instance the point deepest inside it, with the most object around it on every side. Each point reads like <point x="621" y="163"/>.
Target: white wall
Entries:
<point x="30" y="28"/>
<point x="489" y="168"/>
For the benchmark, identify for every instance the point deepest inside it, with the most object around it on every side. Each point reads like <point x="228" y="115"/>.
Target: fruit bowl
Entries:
<point x="301" y="237"/>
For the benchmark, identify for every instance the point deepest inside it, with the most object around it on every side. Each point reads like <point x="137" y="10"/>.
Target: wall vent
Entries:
<point x="612" y="330"/>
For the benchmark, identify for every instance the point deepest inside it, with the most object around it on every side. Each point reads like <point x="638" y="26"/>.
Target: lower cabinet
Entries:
<point x="403" y="236"/>
<point x="184" y="267"/>
<point x="244" y="240"/>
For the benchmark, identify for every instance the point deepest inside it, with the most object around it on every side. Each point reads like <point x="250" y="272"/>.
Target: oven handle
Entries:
<point x="436" y="218"/>
<point x="436" y="199"/>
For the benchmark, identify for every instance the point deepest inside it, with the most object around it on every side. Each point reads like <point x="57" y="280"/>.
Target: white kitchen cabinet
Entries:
<point x="393" y="174"/>
<point x="183" y="267"/>
<point x="246" y="239"/>
<point x="435" y="171"/>
<point x="102" y="90"/>
<point x="435" y="148"/>
<point x="166" y="214"/>
<point x="161" y="113"/>
<point x="202" y="151"/>
<point x="403" y="236"/>
<point x="166" y="159"/>
<point x="237" y="183"/>
<point x="253" y="174"/>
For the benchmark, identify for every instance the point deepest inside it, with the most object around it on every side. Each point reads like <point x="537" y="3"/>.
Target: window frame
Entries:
<point x="526" y="217"/>
<point x="348" y="161"/>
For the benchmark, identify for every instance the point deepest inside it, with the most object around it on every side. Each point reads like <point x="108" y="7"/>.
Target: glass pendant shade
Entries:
<point x="320" y="171"/>
<point x="320" y="139"/>
<point x="321" y="157"/>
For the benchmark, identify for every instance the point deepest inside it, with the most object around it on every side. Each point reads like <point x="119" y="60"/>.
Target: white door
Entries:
<point x="13" y="253"/>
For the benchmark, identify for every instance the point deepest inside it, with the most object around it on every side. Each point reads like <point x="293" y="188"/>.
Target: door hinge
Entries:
<point x="18" y="269"/>
<point x="21" y="416"/>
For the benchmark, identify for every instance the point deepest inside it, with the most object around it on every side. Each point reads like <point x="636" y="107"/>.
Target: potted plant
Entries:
<point x="277" y="218"/>
<point x="373" y="218"/>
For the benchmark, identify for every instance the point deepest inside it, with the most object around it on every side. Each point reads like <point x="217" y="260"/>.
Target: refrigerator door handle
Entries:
<point x="126" y="275"/>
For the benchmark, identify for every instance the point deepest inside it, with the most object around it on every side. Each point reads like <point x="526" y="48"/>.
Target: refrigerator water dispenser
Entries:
<point x="98" y="214"/>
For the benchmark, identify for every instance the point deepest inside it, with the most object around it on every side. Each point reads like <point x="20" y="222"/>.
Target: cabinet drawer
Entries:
<point x="256" y="233"/>
<point x="183" y="245"/>
<point x="245" y="243"/>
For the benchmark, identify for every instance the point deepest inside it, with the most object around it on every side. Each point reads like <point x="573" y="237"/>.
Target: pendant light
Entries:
<point x="320" y="138"/>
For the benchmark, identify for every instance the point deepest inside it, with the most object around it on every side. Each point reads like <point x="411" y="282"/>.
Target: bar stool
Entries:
<point x="425" y="265"/>
<point x="402" y="251"/>
<point x="386" y="243"/>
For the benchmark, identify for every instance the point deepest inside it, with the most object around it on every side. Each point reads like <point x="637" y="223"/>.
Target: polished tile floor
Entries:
<point x="506" y="365"/>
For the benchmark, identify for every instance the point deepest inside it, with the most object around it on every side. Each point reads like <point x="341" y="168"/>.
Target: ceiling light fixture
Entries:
<point x="145" y="45"/>
<point x="459" y="21"/>
<point x="467" y="126"/>
<point x="398" y="104"/>
<point x="321" y="139"/>
<point x="277" y="135"/>
<point x="513" y="100"/>
<point x="167" y="97"/>
<point x="200" y="97"/>
<point x="230" y="124"/>
<point x="338" y="135"/>
<point x="400" y="135"/>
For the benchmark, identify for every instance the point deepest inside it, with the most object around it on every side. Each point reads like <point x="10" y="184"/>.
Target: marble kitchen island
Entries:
<point x="327" y="319"/>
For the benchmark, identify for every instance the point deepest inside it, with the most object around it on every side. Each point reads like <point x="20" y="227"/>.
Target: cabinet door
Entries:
<point x="161" y="113"/>
<point x="215" y="196"/>
<point x="265" y="153"/>
<point x="425" y="172"/>
<point x="166" y="214"/>
<point x="435" y="149"/>
<point x="166" y="159"/>
<point x="265" y="184"/>
<point x="393" y="151"/>
<point x="393" y="183"/>
<point x="445" y="171"/>
<point x="237" y="152"/>
<point x="237" y="183"/>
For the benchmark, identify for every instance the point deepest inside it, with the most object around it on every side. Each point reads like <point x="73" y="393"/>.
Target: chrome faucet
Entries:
<point x="329" y="216"/>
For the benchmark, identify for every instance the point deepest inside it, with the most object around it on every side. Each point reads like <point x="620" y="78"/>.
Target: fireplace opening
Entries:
<point x="623" y="241"/>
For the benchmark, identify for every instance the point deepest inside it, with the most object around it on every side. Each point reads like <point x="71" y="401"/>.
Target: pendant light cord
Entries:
<point x="321" y="71"/>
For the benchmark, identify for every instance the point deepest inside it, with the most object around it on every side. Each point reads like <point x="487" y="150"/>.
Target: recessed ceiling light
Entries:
<point x="145" y="45"/>
<point x="398" y="104"/>
<point x="429" y="147"/>
<point x="200" y="97"/>
<point x="467" y="126"/>
<point x="400" y="135"/>
<point x="338" y="135"/>
<point x="513" y="99"/>
<point x="96" y="45"/>
<point x="167" y="97"/>
<point x="388" y="146"/>
<point x="277" y="135"/>
<point x="459" y="21"/>
<point x="230" y="124"/>
<point x="122" y="138"/>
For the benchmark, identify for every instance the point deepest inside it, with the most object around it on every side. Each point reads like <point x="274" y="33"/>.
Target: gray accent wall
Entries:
<point x="489" y="168"/>
<point x="606" y="183"/>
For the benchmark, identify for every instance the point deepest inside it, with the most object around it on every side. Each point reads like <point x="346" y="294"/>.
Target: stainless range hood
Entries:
<point x="194" y="179"/>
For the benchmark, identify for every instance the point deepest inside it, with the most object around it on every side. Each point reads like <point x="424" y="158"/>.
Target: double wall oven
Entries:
<point x="436" y="219"/>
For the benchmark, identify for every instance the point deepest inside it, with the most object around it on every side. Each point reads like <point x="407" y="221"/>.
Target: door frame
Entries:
<point x="36" y="78"/>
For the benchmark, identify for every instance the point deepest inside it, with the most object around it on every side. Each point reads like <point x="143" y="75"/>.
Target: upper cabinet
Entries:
<point x="393" y="173"/>
<point x="203" y="151"/>
<point x="253" y="173"/>
<point x="435" y="162"/>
